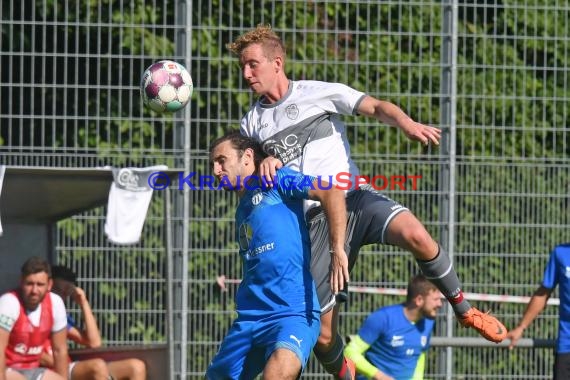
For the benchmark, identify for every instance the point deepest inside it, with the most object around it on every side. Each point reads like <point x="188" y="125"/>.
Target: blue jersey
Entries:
<point x="275" y="249"/>
<point x="395" y="343"/>
<point x="557" y="272"/>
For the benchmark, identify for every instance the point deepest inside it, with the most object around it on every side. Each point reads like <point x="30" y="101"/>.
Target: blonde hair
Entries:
<point x="263" y="35"/>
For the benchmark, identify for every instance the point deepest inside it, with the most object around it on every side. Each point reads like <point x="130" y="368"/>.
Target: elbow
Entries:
<point x="94" y="344"/>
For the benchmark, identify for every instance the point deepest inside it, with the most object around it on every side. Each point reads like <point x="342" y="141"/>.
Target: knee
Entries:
<point x="325" y="340"/>
<point x="138" y="368"/>
<point x="417" y="240"/>
<point x="98" y="369"/>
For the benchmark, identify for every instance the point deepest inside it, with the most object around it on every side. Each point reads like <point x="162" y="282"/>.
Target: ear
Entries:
<point x="248" y="156"/>
<point x="50" y="284"/>
<point x="278" y="63"/>
<point x="419" y="300"/>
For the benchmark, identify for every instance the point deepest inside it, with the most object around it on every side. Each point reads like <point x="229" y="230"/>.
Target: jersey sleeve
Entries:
<point x="550" y="279"/>
<point x="336" y="98"/>
<point x="59" y="314"/>
<point x="420" y="367"/>
<point x="9" y="311"/>
<point x="373" y="327"/>
<point x="292" y="184"/>
<point x="355" y="351"/>
<point x="244" y="127"/>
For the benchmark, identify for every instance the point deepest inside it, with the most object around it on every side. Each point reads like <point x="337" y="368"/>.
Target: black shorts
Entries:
<point x="369" y="214"/>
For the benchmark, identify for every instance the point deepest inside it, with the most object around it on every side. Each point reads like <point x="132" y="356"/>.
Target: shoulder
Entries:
<point x="9" y="300"/>
<point x="57" y="303"/>
<point x="286" y="171"/>
<point x="9" y="310"/>
<point x="386" y="311"/>
<point x="316" y="84"/>
<point x="561" y="251"/>
<point x="9" y="296"/>
<point x="562" y="247"/>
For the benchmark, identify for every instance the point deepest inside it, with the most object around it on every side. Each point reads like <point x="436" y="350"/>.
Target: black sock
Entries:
<point x="333" y="360"/>
<point x="440" y="271"/>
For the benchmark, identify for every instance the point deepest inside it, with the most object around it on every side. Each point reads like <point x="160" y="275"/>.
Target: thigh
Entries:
<point x="369" y="214"/>
<point x="229" y="361"/>
<point x="283" y="364"/>
<point x="33" y="374"/>
<point x="127" y="369"/>
<point x="12" y="374"/>
<point x="295" y="333"/>
<point x="321" y="258"/>
<point x="49" y="375"/>
<point x="562" y="366"/>
<point x="88" y="369"/>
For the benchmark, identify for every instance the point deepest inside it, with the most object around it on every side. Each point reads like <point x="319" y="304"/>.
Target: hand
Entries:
<point x="422" y="133"/>
<point x="79" y="296"/>
<point x="339" y="270"/>
<point x="268" y="169"/>
<point x="46" y="359"/>
<point x="382" y="376"/>
<point x="514" y="335"/>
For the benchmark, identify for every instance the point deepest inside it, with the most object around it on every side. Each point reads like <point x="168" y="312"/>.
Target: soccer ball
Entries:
<point x="166" y="86"/>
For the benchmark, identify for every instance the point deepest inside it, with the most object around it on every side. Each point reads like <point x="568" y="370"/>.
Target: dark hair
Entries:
<point x="419" y="285"/>
<point x="35" y="265"/>
<point x="241" y="143"/>
<point x="63" y="273"/>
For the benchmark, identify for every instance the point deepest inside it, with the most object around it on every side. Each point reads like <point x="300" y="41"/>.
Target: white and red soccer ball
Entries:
<point x="166" y="86"/>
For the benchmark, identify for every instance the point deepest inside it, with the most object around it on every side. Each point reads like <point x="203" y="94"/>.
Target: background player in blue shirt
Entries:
<point x="393" y="340"/>
<point x="557" y="272"/>
<point x="278" y="310"/>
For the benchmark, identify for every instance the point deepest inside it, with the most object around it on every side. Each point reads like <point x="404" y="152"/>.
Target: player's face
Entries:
<point x="431" y="304"/>
<point x="34" y="288"/>
<point x="229" y="167"/>
<point x="259" y="71"/>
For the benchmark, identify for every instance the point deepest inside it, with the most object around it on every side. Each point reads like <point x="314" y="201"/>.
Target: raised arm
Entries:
<point x="391" y="114"/>
<point x="333" y="203"/>
<point x="89" y="336"/>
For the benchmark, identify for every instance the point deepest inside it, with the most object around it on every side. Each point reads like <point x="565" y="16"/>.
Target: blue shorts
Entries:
<point x="249" y="344"/>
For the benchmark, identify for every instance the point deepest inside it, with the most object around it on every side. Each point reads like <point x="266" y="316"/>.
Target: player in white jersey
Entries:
<point x="299" y="123"/>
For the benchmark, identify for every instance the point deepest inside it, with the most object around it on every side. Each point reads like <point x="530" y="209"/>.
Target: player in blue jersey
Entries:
<point x="278" y="310"/>
<point x="299" y="123"/>
<point x="393" y="340"/>
<point x="557" y="272"/>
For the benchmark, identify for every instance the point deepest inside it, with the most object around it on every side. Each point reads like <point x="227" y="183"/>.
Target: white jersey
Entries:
<point x="10" y="312"/>
<point x="304" y="130"/>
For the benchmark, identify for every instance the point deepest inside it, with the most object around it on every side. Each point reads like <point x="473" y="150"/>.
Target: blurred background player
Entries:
<point x="557" y="272"/>
<point x="299" y="123"/>
<point x="393" y="340"/>
<point x="30" y="317"/>
<point x="276" y="302"/>
<point x="65" y="285"/>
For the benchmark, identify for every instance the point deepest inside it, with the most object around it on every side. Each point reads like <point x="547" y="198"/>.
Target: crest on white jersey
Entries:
<point x="292" y="111"/>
